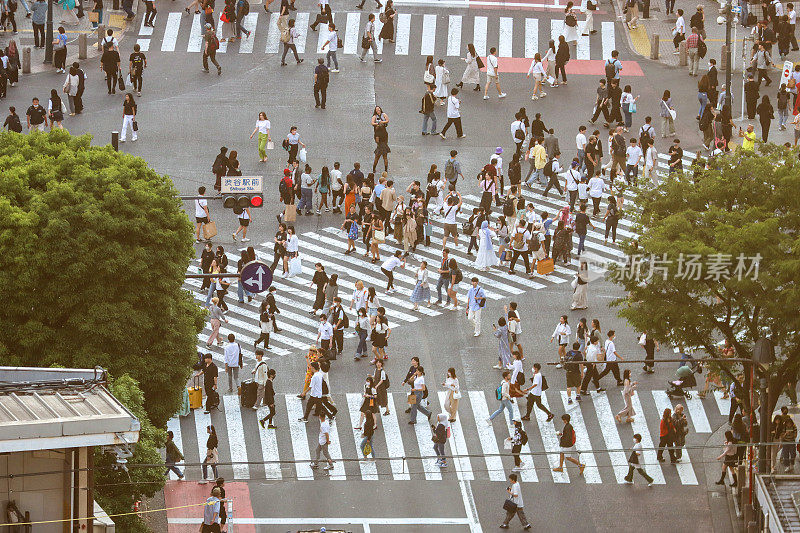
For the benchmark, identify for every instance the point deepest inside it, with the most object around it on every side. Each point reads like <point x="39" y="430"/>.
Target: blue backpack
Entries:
<point x="499" y="392"/>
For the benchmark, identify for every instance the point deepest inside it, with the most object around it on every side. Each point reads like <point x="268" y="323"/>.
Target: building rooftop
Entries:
<point x="784" y="496"/>
<point x="51" y="408"/>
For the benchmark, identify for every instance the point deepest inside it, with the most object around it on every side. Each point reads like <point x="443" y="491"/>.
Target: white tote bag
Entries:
<point x="301" y="155"/>
<point x="672" y="113"/>
<point x="295" y="266"/>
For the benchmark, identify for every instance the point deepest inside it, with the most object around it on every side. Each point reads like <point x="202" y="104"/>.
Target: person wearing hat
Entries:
<point x="210" y="46"/>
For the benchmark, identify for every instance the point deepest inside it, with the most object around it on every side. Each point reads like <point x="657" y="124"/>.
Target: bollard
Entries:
<point x="654" y="46"/>
<point x="683" y="57"/>
<point x="115" y="140"/>
<point x="101" y="32"/>
<point x="26" y="60"/>
<point x="115" y="5"/>
<point x="723" y="60"/>
<point x="82" y="46"/>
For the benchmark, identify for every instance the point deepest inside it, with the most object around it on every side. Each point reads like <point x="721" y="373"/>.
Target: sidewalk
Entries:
<point x="114" y="20"/>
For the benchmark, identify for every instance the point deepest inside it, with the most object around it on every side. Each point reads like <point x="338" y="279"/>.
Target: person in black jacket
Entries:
<point x="765" y="115"/>
<point x="562" y="56"/>
<point x="409" y="380"/>
<point x="206" y="257"/>
<point x="272" y="308"/>
<point x="269" y="399"/>
<point x="220" y="167"/>
<point x="428" y="111"/>
<point x="12" y="122"/>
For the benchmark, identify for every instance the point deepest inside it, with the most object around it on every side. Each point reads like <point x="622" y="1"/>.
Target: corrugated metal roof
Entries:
<point x="782" y="491"/>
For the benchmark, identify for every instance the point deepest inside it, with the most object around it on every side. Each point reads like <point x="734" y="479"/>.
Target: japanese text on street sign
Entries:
<point x="241" y="184"/>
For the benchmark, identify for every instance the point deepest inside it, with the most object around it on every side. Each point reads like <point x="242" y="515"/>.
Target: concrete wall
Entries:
<point x="47" y="497"/>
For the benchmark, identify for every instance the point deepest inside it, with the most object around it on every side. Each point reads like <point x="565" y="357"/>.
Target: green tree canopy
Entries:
<point x="93" y="249"/>
<point x="745" y="206"/>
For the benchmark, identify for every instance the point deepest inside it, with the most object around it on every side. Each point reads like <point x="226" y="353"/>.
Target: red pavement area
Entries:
<point x="588" y="67"/>
<point x="180" y="493"/>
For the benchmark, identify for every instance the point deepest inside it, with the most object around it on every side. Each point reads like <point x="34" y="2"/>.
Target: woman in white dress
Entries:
<point x="472" y="73"/>
<point x="486" y="255"/>
<point x="570" y="24"/>
<point x="580" y="284"/>
<point x="442" y="81"/>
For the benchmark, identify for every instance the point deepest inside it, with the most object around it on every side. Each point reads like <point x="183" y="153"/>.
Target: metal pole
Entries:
<point x="115" y="140"/>
<point x="765" y="421"/>
<point x="48" y="35"/>
<point x="728" y="66"/>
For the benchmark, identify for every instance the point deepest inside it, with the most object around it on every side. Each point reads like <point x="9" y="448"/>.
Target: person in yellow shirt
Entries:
<point x="537" y="158"/>
<point x="749" y="137"/>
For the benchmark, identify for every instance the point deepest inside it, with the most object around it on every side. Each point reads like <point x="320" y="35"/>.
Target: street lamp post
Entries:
<point x="728" y="55"/>
<point x="763" y="356"/>
<point x="48" y="36"/>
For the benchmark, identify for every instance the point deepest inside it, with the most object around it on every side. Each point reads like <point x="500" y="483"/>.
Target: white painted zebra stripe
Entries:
<point x="203" y="336"/>
<point x="269" y="451"/>
<point x="201" y="422"/>
<point x="550" y="441"/>
<point x="479" y="35"/>
<point x="233" y="419"/>
<point x="250" y="23"/>
<point x="297" y="430"/>
<point x="378" y="28"/>
<point x="531" y="37"/>
<point x="583" y="47"/>
<point x="174" y="425"/>
<point x="723" y="404"/>
<point x="146" y="30"/>
<point x="171" y="31"/>
<point x="639" y="425"/>
<point x="273" y="35"/>
<point x="351" y="35"/>
<point x="428" y="45"/>
<point x="369" y="470"/>
<point x="506" y="37"/>
<point x="223" y="43"/>
<point x="608" y="427"/>
<point x="591" y="474"/>
<point x="529" y="470"/>
<point x="609" y="42"/>
<point x="301" y="23"/>
<point x="144" y="44"/>
<point x="454" y="36"/>
<point x="394" y="441"/>
<point x="322" y="36"/>
<point x="494" y="464"/>
<point x="684" y="467"/>
<point x="556" y="29"/>
<point x="423" y="433"/>
<point x="335" y="450"/>
<point x="458" y="445"/>
<point x="698" y="415"/>
<point x="403" y="34"/>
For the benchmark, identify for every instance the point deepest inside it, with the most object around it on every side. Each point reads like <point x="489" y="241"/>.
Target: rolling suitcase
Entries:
<point x="248" y="393"/>
<point x="545" y="266"/>
<point x="195" y="395"/>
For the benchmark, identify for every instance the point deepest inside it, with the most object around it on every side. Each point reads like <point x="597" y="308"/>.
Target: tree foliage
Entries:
<point x="745" y="203"/>
<point x="93" y="249"/>
<point x="118" y="489"/>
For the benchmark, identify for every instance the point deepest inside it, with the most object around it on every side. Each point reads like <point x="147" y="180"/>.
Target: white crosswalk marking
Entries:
<point x="297" y="429"/>
<point x="144" y="44"/>
<point x="531" y="37"/>
<point x="301" y="24"/>
<point x="269" y="451"/>
<point x="684" y="467"/>
<point x="425" y="446"/>
<point x="610" y="435"/>
<point x="273" y="35"/>
<point x="639" y="425"/>
<point x="458" y="445"/>
<point x="378" y="28"/>
<point x="250" y="23"/>
<point x="428" y="45"/>
<point x="454" y="36"/>
<point x="723" y="404"/>
<point x="607" y="34"/>
<point x="479" y="35"/>
<point x="556" y="29"/>
<point x="174" y="425"/>
<point x="146" y="30"/>
<point x="171" y="32"/>
<point x="506" y="37"/>
<point x="394" y="441"/>
<point x="528" y="473"/>
<point x="583" y="47"/>
<point x="494" y="465"/>
<point x="369" y="470"/>
<point x="591" y="474"/>
<point x="233" y="418"/>
<point x="223" y="43"/>
<point x="322" y="37"/>
<point x="196" y="35"/>
<point x="698" y="415"/>
<point x="403" y="34"/>
<point x="550" y="441"/>
<point x="352" y="33"/>
<point x="201" y="422"/>
<point x="335" y="449"/>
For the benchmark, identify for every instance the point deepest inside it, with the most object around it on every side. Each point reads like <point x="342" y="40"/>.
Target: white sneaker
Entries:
<point x="476" y="334"/>
<point x="245" y="239"/>
<point x="498" y="367"/>
<point x="516" y="469"/>
<point x="334" y="70"/>
<point x="489" y="422"/>
<point x="485" y="97"/>
<point x="501" y="95"/>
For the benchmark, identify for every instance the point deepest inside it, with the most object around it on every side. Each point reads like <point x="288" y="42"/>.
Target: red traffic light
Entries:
<point x="256" y="200"/>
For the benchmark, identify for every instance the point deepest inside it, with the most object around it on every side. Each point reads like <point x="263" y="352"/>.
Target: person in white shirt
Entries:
<point x="650" y="157"/>
<point x="233" y="362"/>
<point x="388" y="267"/>
<point x="573" y="177"/>
<point x="202" y="215"/>
<point x="539" y="74"/>
<point x="418" y="389"/>
<point x="515" y="495"/>
<point x="324" y="440"/>
<point x="453" y="115"/>
<point x="583" y="190"/>
<point x="596" y="186"/>
<point x="580" y="143"/>
<point x="492" y="74"/>
<point x="612" y="356"/>
<point x="314" y="391"/>
<point x="632" y="157"/>
<point x="451" y="209"/>
<point x="516" y="126"/>
<point x="593" y="366"/>
<point x="634" y="464"/>
<point x="324" y="333"/>
<point x="535" y="394"/>
<point x="792" y="14"/>
<point x="679" y="31"/>
<point x="333" y="44"/>
<point x="562" y="333"/>
<point x="368" y="38"/>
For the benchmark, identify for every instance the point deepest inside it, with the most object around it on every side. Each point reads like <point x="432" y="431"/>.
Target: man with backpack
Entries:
<point x="566" y="441"/>
<point x="618" y="150"/>
<point x="428" y="111"/>
<point x="612" y="67"/>
<point x="551" y="170"/>
<point x="340" y="322"/>
<point x="242" y="10"/>
<point x="538" y="386"/>
<point x="519" y="246"/>
<point x="210" y="47"/>
<point x="452" y="168"/>
<point x="321" y="78"/>
<point x="12" y="122"/>
<point x="333" y="45"/>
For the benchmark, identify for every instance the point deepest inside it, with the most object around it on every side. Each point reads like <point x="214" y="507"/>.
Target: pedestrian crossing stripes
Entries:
<point x="423" y="34"/>
<point x="295" y="296"/>
<point x="475" y="449"/>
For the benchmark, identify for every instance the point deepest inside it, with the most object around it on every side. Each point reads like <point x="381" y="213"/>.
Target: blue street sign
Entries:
<point x="256" y="277"/>
<point x="736" y="9"/>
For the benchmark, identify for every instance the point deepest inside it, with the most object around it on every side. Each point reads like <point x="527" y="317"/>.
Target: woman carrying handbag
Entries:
<point x="472" y="71"/>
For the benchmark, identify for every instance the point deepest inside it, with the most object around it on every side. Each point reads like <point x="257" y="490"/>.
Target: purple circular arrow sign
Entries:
<point x="256" y="277"/>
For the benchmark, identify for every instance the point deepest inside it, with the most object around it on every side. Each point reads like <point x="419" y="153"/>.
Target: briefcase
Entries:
<point x="210" y="230"/>
<point x="290" y="213"/>
<point x="545" y="266"/>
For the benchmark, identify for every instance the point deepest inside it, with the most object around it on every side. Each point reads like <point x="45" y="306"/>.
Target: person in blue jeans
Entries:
<point x="306" y="191"/>
<point x="505" y="400"/>
<point x="444" y="278"/>
<point x="418" y="390"/>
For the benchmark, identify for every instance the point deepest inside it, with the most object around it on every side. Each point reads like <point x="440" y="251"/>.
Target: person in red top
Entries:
<point x="692" y="44"/>
<point x="667" y="436"/>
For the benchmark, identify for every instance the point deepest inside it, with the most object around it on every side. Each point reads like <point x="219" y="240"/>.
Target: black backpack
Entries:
<point x="14" y="124"/>
<point x="459" y="276"/>
<point x="523" y="437"/>
<point x="345" y="320"/>
<point x="12" y="6"/>
<point x="244" y="9"/>
<point x="611" y="69"/>
<point x="548" y="169"/>
<point x="545" y="386"/>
